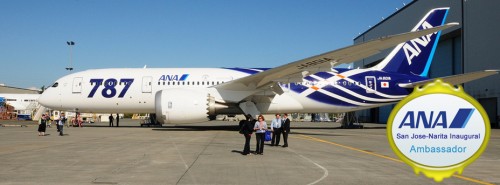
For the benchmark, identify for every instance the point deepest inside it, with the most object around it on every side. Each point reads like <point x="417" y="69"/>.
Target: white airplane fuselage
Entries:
<point x="79" y="91"/>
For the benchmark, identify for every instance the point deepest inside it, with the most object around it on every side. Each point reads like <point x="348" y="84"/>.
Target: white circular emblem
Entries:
<point x="438" y="134"/>
<point x="438" y="129"/>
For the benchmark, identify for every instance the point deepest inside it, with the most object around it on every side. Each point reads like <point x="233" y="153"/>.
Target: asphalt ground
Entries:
<point x="210" y="153"/>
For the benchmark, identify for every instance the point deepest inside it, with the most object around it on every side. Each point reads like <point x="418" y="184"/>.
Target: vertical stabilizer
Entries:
<point x="415" y="56"/>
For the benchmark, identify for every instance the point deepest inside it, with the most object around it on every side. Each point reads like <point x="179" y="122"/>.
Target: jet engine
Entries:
<point x="184" y="106"/>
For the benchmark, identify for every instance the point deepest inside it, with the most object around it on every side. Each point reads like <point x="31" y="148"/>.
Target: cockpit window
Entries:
<point x="55" y="84"/>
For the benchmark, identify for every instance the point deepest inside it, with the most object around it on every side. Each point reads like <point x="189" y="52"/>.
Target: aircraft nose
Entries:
<point x="47" y="99"/>
<point x="43" y="99"/>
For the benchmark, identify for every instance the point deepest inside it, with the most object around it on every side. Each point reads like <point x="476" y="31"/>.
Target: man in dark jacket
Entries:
<point x="247" y="129"/>
<point x="285" y="128"/>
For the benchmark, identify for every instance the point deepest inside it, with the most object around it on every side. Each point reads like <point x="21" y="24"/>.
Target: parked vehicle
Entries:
<point x="25" y="117"/>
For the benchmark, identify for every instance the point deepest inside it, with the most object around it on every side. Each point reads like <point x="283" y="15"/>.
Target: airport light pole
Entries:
<point x="70" y="44"/>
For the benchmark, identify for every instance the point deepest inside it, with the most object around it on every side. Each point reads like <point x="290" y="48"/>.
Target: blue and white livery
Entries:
<point x="187" y="95"/>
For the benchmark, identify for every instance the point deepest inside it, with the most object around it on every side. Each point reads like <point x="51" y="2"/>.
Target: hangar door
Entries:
<point x="490" y="106"/>
<point x="147" y="84"/>
<point x="77" y="84"/>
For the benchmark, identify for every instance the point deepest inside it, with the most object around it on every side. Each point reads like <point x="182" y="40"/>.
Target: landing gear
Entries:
<point x="351" y="121"/>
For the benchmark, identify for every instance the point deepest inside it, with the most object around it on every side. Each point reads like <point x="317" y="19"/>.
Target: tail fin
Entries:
<point x="415" y="56"/>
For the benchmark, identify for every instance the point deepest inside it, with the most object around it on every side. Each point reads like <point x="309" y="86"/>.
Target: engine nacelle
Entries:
<point x="182" y="106"/>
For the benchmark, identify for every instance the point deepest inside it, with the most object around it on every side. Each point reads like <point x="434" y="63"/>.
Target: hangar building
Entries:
<point x="466" y="48"/>
<point x="15" y="90"/>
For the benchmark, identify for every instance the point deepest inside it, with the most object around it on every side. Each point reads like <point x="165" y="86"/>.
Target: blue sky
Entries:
<point x="205" y="33"/>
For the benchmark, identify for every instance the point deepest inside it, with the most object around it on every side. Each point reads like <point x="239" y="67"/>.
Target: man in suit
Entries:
<point x="110" y="120"/>
<point x="117" y="120"/>
<point x="285" y="128"/>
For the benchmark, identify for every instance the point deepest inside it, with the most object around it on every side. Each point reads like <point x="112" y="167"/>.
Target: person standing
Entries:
<point x="42" y="125"/>
<point x="117" y="120"/>
<point x="60" y="123"/>
<point x="79" y="120"/>
<point x="110" y="120"/>
<point x="57" y="123"/>
<point x="247" y="130"/>
<point x="260" y="128"/>
<point x="276" y="130"/>
<point x="48" y="120"/>
<point x="285" y="129"/>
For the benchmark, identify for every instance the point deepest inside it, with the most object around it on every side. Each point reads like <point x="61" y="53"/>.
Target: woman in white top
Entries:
<point x="260" y="128"/>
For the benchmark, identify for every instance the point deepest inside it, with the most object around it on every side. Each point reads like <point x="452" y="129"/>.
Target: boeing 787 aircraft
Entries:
<point x="189" y="95"/>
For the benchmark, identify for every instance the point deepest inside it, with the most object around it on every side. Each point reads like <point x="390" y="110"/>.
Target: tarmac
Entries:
<point x="210" y="153"/>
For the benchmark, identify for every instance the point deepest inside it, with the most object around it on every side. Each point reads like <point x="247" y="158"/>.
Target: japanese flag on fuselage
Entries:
<point x="384" y="84"/>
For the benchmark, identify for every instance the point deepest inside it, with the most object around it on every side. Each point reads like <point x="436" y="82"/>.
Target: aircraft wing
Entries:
<point x="455" y="79"/>
<point x="295" y="71"/>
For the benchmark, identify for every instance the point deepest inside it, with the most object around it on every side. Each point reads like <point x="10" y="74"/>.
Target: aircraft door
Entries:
<point x="77" y="84"/>
<point x="371" y="84"/>
<point x="165" y="117"/>
<point x="147" y="82"/>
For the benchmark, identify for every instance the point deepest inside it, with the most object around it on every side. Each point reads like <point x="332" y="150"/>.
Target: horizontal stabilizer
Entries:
<point x="455" y="79"/>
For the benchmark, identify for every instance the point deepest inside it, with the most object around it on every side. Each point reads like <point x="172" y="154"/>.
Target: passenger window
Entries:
<point x="55" y="84"/>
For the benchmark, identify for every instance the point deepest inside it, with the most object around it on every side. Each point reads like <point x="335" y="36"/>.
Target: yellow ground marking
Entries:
<point x="381" y="156"/>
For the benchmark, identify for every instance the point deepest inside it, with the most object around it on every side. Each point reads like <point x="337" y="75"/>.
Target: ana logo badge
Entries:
<point x="438" y="130"/>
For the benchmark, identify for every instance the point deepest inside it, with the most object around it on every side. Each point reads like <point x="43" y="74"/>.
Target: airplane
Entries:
<point x="19" y="101"/>
<point x="23" y="104"/>
<point x="190" y="95"/>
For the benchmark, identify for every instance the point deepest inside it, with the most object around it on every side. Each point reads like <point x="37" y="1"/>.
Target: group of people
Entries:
<point x="111" y="118"/>
<point x="278" y="126"/>
<point x="45" y="120"/>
